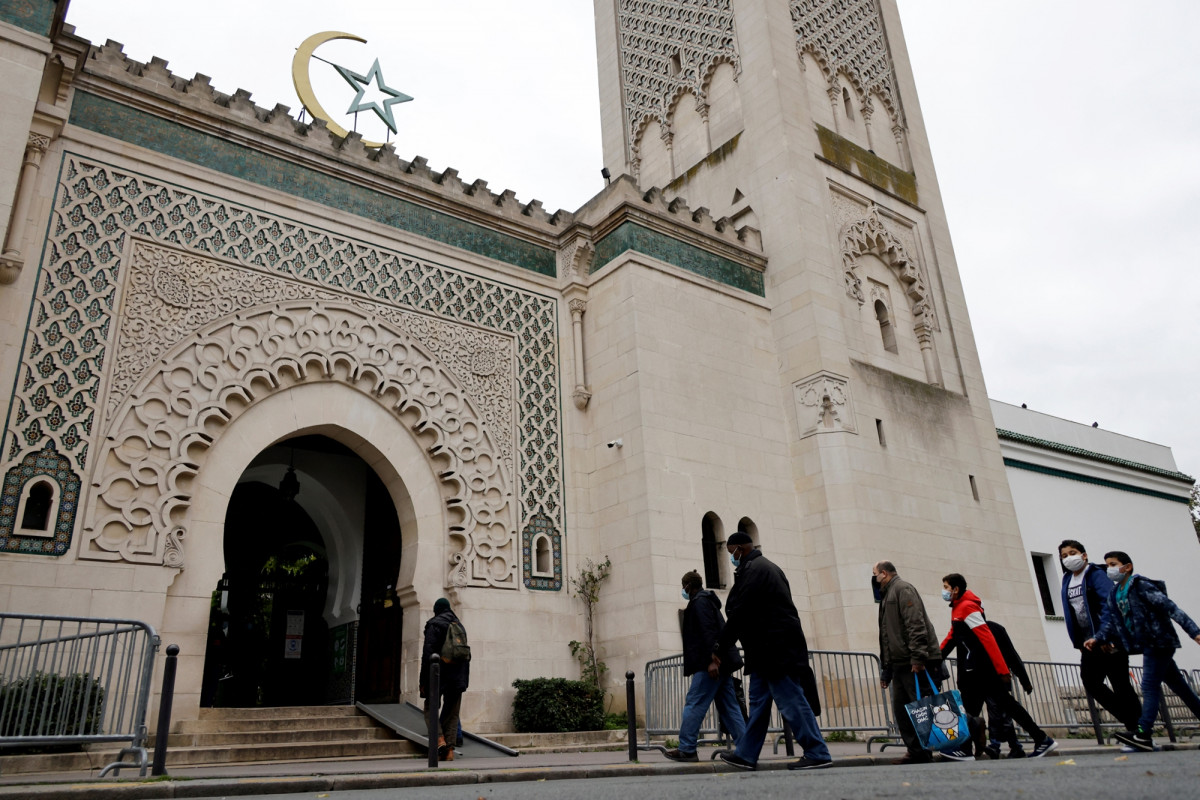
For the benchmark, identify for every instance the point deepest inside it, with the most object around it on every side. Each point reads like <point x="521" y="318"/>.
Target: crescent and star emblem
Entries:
<point x="360" y="83"/>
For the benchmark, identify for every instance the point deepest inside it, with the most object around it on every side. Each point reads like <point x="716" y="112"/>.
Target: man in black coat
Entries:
<point x="702" y="625"/>
<point x="454" y="678"/>
<point x="762" y="616"/>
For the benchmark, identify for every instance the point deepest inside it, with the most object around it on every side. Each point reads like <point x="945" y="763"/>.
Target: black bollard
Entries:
<point x="164" y="711"/>
<point x="631" y="715"/>
<point x="434" y="699"/>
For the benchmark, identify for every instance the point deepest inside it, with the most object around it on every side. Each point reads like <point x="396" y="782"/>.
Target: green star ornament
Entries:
<point x="360" y="83"/>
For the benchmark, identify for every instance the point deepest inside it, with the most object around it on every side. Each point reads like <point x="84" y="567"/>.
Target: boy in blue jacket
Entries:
<point x="1139" y="619"/>
<point x="1085" y="591"/>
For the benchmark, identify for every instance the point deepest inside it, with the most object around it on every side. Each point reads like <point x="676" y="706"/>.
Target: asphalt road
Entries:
<point x="1139" y="775"/>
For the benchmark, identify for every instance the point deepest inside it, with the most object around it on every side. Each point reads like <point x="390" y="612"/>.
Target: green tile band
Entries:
<point x="172" y="139"/>
<point x="1075" y="476"/>
<point x="1046" y="444"/>
<point x="631" y="236"/>
<point x="35" y="16"/>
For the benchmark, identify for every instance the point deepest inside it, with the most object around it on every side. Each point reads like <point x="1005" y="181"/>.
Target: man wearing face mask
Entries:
<point x="908" y="647"/>
<point x="763" y="617"/>
<point x="1085" y="591"/>
<point x="1139" y="618"/>
<point x="702" y="625"/>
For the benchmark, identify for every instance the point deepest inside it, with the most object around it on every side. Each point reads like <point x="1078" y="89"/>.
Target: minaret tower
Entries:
<point x="800" y="118"/>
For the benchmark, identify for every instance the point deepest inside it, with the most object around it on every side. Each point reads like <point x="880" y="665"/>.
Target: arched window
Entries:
<point x="542" y="559"/>
<point x="846" y="102"/>
<point x="38" y="506"/>
<point x="885" y="327"/>
<point x="746" y="525"/>
<point x="712" y="539"/>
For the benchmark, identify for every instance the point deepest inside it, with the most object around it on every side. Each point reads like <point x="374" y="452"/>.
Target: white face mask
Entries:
<point x="1115" y="574"/>
<point x="1073" y="563"/>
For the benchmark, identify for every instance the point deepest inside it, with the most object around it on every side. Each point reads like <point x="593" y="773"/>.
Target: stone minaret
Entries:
<point x="800" y="118"/>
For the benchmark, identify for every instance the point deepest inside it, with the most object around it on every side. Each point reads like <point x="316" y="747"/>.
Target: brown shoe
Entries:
<point x="449" y="754"/>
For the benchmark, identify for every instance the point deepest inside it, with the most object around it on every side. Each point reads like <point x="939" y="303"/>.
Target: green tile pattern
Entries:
<point x="632" y="236"/>
<point x="128" y="124"/>
<point x="871" y="168"/>
<point x="1046" y="444"/>
<point x="1075" y="476"/>
<point x="35" y="16"/>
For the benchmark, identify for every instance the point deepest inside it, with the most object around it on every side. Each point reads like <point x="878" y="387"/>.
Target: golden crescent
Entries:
<point x="303" y="83"/>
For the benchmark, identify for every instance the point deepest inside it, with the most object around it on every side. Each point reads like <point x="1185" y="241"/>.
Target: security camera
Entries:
<point x="616" y="443"/>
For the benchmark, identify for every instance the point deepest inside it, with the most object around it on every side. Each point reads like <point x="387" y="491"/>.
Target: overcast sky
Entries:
<point x="1066" y="135"/>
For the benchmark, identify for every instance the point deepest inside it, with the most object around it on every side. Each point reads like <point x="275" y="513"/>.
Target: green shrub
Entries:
<point x="616" y="722"/>
<point x="556" y="705"/>
<point x="43" y="704"/>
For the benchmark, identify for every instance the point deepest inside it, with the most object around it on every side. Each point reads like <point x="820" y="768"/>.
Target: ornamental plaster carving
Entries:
<point x="823" y="405"/>
<point x="847" y="37"/>
<point x="575" y="260"/>
<point x="158" y="437"/>
<point x="92" y="338"/>
<point x="668" y="48"/>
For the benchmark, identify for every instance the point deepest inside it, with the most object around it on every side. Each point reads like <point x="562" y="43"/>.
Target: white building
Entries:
<point x="1111" y="492"/>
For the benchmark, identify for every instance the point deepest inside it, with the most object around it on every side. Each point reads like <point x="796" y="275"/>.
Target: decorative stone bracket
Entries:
<point x="823" y="404"/>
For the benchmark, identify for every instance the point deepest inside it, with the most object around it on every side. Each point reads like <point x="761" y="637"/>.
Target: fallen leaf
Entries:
<point x="1121" y="758"/>
<point x="906" y="783"/>
<point x="1067" y="762"/>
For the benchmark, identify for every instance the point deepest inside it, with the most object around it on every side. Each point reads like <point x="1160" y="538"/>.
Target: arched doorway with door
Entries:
<point x="306" y="611"/>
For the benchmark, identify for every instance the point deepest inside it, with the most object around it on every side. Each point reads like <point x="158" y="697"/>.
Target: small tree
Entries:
<point x="587" y="589"/>
<point x="1194" y="507"/>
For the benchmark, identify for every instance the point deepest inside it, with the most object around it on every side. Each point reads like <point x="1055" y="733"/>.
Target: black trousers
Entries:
<point x="904" y="691"/>
<point x="1121" y="700"/>
<point x="979" y="689"/>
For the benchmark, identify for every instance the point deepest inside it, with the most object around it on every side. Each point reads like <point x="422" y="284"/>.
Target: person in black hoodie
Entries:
<point x="763" y="617"/>
<point x="1000" y="724"/>
<point x="453" y="680"/>
<point x="702" y="625"/>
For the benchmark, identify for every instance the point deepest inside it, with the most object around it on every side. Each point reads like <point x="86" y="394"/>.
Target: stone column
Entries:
<point x="581" y="395"/>
<point x="12" y="259"/>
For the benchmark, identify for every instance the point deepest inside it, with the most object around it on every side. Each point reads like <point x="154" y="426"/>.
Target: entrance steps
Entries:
<point x="300" y="733"/>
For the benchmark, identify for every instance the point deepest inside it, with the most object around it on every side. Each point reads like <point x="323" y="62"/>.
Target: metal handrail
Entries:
<point x="76" y="680"/>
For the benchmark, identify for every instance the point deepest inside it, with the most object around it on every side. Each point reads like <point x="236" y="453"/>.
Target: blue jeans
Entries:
<point x="793" y="707"/>
<point x="699" y="697"/>
<point x="1158" y="667"/>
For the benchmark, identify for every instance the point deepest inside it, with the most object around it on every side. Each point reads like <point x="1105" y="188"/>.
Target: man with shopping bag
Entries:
<point x="908" y="651"/>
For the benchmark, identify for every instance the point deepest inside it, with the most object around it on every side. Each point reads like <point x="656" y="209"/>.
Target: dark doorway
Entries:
<point x="268" y="640"/>
<point x="379" y="657"/>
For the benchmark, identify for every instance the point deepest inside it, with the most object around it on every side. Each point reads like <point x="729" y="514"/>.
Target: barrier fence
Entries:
<point x="852" y="699"/>
<point x="74" y="680"/>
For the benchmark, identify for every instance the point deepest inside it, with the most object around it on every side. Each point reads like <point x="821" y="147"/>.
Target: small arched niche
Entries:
<point x="38" y="507"/>
<point x="712" y="540"/>
<point x="885" y="327"/>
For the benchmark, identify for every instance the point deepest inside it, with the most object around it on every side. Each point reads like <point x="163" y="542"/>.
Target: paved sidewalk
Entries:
<point x="367" y="773"/>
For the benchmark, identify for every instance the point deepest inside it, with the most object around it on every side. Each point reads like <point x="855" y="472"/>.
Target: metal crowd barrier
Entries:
<point x="847" y="683"/>
<point x="853" y="701"/>
<point x="75" y="680"/>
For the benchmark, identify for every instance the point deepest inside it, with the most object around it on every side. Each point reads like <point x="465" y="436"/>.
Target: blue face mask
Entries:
<point x="686" y="596"/>
<point x="946" y="595"/>
<point x="734" y="560"/>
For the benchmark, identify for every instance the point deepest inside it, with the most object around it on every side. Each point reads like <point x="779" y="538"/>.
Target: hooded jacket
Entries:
<point x="906" y="635"/>
<point x="978" y="651"/>
<point x="1150" y="615"/>
<point x="1097" y="587"/>
<point x="452" y="677"/>
<point x="702" y="626"/>
<point x="762" y="616"/>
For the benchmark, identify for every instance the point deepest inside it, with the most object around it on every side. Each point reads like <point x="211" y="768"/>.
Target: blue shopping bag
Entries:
<point x="939" y="718"/>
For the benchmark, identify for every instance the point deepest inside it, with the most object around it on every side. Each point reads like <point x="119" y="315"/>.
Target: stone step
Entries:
<point x="572" y="740"/>
<point x="223" y="738"/>
<point x="281" y="712"/>
<point x="271" y="724"/>
<point x="299" y="751"/>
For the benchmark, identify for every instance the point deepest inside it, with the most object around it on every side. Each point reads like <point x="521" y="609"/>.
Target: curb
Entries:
<point x="159" y="789"/>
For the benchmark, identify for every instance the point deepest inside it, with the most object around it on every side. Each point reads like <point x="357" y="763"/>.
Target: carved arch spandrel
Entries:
<point x="158" y="436"/>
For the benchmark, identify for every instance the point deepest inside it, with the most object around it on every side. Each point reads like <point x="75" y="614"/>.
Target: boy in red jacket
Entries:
<point x="982" y="673"/>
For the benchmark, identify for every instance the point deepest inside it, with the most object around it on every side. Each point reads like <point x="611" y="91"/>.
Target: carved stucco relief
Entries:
<point x="824" y="405"/>
<point x="498" y="340"/>
<point x="274" y="334"/>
